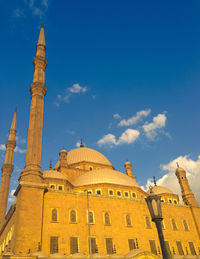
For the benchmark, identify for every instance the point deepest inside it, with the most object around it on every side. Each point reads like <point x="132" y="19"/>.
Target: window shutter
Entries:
<point x="109" y="245"/>
<point x="179" y="247"/>
<point x="128" y="220"/>
<point x="131" y="243"/>
<point x="54" y="216"/>
<point x="73" y="216"/>
<point x="192" y="249"/>
<point x="107" y="219"/>
<point x="153" y="246"/>
<point x="53" y="245"/>
<point x="73" y="245"/>
<point x="148" y="224"/>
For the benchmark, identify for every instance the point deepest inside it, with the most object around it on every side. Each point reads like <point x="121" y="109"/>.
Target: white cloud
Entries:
<point x="75" y="89"/>
<point x="2" y="147"/>
<point x="151" y="129"/>
<point x="19" y="150"/>
<point x="11" y="197"/>
<point x="133" y="120"/>
<point x="128" y="136"/>
<point x="169" y="180"/>
<point x="116" y="116"/>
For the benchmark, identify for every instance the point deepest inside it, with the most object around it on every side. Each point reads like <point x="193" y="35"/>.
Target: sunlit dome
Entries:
<point x="105" y="175"/>
<point x="53" y="174"/>
<point x="160" y="189"/>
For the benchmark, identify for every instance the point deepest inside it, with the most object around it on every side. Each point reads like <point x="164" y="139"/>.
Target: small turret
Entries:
<point x="128" y="167"/>
<point x="63" y="158"/>
<point x="187" y="194"/>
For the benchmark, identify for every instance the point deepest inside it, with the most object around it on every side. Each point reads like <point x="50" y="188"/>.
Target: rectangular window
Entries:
<point x="109" y="245"/>
<point x="179" y="247"/>
<point x="93" y="244"/>
<point x="73" y="245"/>
<point x="60" y="187"/>
<point x="152" y="244"/>
<point x="53" y="245"/>
<point x="131" y="243"/>
<point x="168" y="248"/>
<point x="192" y="249"/>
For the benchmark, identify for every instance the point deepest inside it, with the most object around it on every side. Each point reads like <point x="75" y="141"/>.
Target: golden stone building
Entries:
<point x="57" y="211"/>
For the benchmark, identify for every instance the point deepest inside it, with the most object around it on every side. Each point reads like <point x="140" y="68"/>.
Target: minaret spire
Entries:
<point x="7" y="169"/>
<point x="38" y="91"/>
<point x="41" y="39"/>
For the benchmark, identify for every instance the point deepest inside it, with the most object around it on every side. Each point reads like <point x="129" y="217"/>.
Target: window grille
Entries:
<point x="109" y="245"/>
<point x="73" y="245"/>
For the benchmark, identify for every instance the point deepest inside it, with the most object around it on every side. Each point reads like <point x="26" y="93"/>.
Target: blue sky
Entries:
<point x="137" y="60"/>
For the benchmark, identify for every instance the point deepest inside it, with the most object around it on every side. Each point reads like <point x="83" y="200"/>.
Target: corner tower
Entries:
<point x="187" y="194"/>
<point x="7" y="169"/>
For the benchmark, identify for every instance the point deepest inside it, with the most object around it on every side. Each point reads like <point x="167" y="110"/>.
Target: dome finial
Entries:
<point x="81" y="145"/>
<point x="154" y="181"/>
<point x="50" y="166"/>
<point x="177" y="164"/>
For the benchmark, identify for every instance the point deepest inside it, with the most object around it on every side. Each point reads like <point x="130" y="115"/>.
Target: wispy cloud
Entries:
<point x="2" y="147"/>
<point x="134" y="119"/>
<point x="20" y="140"/>
<point x="116" y="116"/>
<point x="151" y="129"/>
<point x="18" y="13"/>
<point x="37" y="8"/>
<point x="17" y="149"/>
<point x="75" y="89"/>
<point x="128" y="137"/>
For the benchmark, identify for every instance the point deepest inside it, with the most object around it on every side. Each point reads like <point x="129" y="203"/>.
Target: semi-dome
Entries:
<point x="53" y="174"/>
<point x="105" y="175"/>
<point x="160" y="189"/>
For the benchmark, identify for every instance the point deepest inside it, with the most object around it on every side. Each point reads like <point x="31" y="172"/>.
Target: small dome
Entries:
<point x="160" y="189"/>
<point x="105" y="175"/>
<point x="179" y="169"/>
<point x="127" y="163"/>
<point x="63" y="151"/>
<point x="53" y="174"/>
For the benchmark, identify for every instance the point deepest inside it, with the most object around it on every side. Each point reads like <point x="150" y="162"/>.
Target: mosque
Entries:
<point x="83" y="200"/>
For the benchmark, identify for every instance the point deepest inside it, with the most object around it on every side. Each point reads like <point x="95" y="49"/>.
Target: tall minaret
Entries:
<point x="128" y="167"/>
<point x="187" y="194"/>
<point x="31" y="188"/>
<point x="31" y="172"/>
<point x="7" y="169"/>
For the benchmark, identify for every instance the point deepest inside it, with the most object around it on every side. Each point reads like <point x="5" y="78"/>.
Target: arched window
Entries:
<point x="107" y="218"/>
<point x="73" y="216"/>
<point x="148" y="224"/>
<point x="54" y="216"/>
<point x="185" y="225"/>
<point x="90" y="217"/>
<point x="174" y="224"/>
<point x="128" y="220"/>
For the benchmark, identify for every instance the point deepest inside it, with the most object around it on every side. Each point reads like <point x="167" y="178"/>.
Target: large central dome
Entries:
<point x="84" y="154"/>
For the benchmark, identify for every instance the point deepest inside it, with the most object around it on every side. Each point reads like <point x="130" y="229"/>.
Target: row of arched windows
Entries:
<point x="90" y="216"/>
<point x="107" y="221"/>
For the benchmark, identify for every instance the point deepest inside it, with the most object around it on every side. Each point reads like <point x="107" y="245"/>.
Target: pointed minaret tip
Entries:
<point x="14" y="121"/>
<point x="41" y="39"/>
